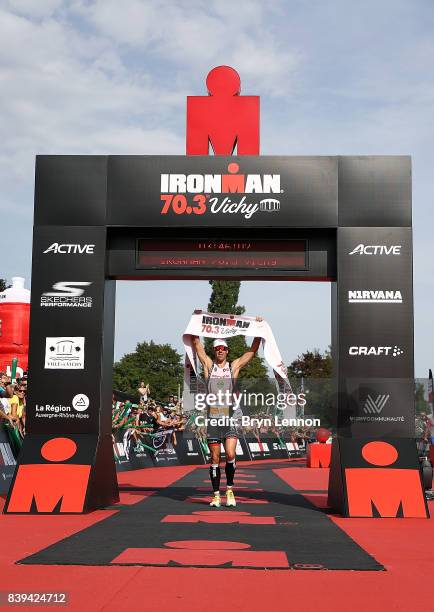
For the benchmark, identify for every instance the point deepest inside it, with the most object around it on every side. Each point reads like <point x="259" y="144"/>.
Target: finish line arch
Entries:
<point x="342" y="219"/>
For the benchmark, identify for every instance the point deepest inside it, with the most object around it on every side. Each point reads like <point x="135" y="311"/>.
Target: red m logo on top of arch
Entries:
<point x="223" y="119"/>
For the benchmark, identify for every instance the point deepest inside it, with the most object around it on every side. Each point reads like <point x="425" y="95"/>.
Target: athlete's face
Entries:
<point x="221" y="352"/>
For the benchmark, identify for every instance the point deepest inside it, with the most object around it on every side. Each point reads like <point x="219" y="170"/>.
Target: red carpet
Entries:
<point x="404" y="547"/>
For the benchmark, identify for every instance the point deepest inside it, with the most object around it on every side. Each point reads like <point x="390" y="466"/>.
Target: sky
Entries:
<point x="108" y="77"/>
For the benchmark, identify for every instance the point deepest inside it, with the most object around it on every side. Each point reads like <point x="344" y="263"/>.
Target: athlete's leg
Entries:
<point x="230" y="446"/>
<point x="214" y="470"/>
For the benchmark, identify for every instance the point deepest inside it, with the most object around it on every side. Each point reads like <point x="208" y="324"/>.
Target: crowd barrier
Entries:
<point x="7" y="458"/>
<point x="158" y="450"/>
<point x="162" y="449"/>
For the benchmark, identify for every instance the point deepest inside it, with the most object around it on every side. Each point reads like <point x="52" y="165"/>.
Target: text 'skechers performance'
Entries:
<point x="187" y="254"/>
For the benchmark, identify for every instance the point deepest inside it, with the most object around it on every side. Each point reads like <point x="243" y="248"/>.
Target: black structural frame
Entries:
<point x="91" y="210"/>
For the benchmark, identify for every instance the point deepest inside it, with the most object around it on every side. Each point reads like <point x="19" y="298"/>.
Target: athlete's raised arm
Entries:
<point x="203" y="357"/>
<point x="242" y="361"/>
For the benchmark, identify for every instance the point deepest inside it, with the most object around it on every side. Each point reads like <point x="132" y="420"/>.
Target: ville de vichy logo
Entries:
<point x="67" y="294"/>
<point x="374" y="297"/>
<point x="375" y="351"/>
<point x="70" y="249"/>
<point x="64" y="353"/>
<point x="201" y="193"/>
<point x="378" y="249"/>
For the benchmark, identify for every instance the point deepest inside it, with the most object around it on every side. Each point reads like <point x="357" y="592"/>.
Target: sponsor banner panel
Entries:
<point x="57" y="410"/>
<point x="375" y="297"/>
<point x="259" y="448"/>
<point x="163" y="444"/>
<point x="242" y="450"/>
<point x="129" y="453"/>
<point x="200" y="191"/>
<point x="166" y="456"/>
<point x="379" y="407"/>
<point x="67" y="311"/>
<point x="139" y="456"/>
<point x="294" y="447"/>
<point x="188" y="449"/>
<point x="277" y="448"/>
<point x="137" y="452"/>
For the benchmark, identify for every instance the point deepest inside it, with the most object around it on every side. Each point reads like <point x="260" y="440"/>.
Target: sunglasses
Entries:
<point x="221" y="348"/>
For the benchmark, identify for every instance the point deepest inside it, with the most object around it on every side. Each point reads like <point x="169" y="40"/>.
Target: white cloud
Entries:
<point x="34" y="8"/>
<point x="200" y="34"/>
<point x="65" y="92"/>
<point x="132" y="22"/>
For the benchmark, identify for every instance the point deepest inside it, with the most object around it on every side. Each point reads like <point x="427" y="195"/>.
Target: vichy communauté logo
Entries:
<point x="375" y="406"/>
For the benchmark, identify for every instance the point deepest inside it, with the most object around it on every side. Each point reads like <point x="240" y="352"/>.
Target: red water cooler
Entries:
<point x="14" y="326"/>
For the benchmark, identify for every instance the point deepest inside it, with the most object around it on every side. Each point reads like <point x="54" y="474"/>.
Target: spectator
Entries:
<point x="177" y="408"/>
<point x="6" y="389"/>
<point x="161" y="414"/>
<point x="5" y="412"/>
<point x="152" y="419"/>
<point x="17" y="405"/>
<point x="144" y="390"/>
<point x="171" y="403"/>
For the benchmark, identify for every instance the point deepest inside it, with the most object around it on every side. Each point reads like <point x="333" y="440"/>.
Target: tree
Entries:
<point x="316" y="370"/>
<point x="159" y="365"/>
<point x="421" y="403"/>
<point x="224" y="298"/>
<point x="312" y="364"/>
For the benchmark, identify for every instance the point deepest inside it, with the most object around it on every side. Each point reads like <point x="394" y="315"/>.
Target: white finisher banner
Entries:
<point x="215" y="325"/>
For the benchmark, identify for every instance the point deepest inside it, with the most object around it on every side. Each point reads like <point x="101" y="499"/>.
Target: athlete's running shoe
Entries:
<point x="216" y="501"/>
<point x="230" y="498"/>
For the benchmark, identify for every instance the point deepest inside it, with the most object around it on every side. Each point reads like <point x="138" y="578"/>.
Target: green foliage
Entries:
<point x="312" y="364"/>
<point x="224" y="298"/>
<point x="316" y="369"/>
<point x="160" y="365"/>
<point x="422" y="406"/>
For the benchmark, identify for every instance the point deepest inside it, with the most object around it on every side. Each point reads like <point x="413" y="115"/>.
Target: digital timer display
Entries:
<point x="221" y="254"/>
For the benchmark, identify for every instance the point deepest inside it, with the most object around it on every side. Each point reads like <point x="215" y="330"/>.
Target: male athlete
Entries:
<point x="221" y="375"/>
